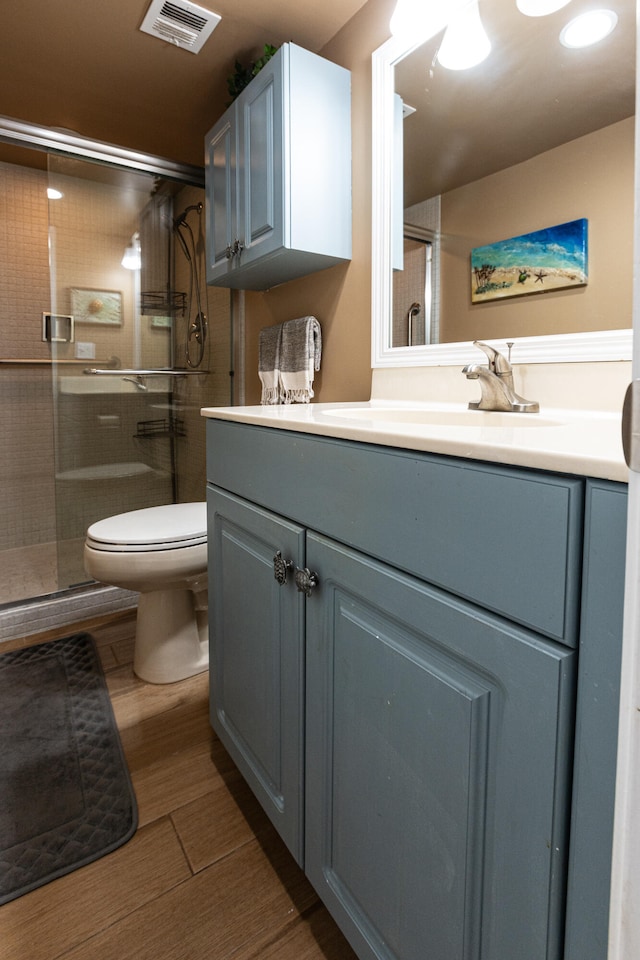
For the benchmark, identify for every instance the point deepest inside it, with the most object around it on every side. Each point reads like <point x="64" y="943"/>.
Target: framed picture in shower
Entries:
<point x="96" y="306"/>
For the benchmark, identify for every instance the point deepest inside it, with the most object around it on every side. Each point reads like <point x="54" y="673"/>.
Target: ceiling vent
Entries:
<point x="181" y="23"/>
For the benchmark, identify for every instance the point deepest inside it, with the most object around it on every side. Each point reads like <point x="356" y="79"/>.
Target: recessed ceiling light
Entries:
<point x="588" y="28"/>
<point x="540" y="8"/>
<point x="54" y="194"/>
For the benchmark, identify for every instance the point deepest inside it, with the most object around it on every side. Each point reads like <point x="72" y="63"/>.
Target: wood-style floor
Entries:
<point x="205" y="877"/>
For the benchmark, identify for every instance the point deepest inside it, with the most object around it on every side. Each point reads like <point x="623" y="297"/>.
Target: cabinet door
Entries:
<point x="261" y="169"/>
<point x="257" y="656"/>
<point x="220" y="164"/>
<point x="438" y="746"/>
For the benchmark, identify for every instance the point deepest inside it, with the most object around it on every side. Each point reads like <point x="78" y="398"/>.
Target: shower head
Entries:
<point x="178" y="222"/>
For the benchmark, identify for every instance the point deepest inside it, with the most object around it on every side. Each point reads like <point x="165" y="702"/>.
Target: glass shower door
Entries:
<point x="76" y="446"/>
<point x="115" y="432"/>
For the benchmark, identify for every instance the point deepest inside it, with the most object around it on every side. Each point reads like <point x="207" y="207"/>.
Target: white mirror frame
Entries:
<point x="561" y="348"/>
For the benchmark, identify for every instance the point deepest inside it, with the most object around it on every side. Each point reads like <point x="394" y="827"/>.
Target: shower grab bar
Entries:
<point x="100" y="371"/>
<point x="134" y="372"/>
<point x="40" y="361"/>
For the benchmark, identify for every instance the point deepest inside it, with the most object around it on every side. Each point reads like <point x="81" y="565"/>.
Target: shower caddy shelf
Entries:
<point x="152" y="301"/>
<point x="163" y="427"/>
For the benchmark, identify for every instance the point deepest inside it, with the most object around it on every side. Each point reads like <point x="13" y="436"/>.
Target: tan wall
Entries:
<point x="590" y="177"/>
<point x="339" y="297"/>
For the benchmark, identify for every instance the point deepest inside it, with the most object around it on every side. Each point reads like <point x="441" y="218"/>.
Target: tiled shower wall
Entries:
<point x="27" y="487"/>
<point x="409" y="288"/>
<point x="27" y="505"/>
<point x="193" y="393"/>
<point x="408" y="284"/>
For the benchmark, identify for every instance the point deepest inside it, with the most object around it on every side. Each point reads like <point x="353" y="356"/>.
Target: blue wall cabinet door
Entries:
<point x="260" y="165"/>
<point x="279" y="189"/>
<point x="257" y="655"/>
<point x="438" y="748"/>
<point x="220" y="161"/>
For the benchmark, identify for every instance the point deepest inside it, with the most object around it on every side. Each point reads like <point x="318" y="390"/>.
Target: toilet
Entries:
<point x="162" y="553"/>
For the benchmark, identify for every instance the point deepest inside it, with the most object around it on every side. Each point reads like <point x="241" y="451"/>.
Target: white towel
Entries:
<point x="269" y="363"/>
<point x="300" y="355"/>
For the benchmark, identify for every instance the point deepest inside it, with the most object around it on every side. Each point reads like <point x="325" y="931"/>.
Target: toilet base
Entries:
<point x="171" y="636"/>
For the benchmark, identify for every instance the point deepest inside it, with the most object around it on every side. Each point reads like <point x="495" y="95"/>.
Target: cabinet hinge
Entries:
<point x="631" y="426"/>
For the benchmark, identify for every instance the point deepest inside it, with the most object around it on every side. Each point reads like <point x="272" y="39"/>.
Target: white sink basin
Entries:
<point x="443" y="418"/>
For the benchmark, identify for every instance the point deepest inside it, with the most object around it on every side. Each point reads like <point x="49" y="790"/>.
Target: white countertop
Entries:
<point x="583" y="442"/>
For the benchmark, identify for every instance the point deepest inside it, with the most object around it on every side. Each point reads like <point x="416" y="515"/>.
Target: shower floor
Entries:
<point x="40" y="569"/>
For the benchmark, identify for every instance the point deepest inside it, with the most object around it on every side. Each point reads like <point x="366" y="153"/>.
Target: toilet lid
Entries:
<point x="168" y="527"/>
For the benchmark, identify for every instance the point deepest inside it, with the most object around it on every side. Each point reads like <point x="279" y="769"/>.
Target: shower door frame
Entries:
<point x="47" y="140"/>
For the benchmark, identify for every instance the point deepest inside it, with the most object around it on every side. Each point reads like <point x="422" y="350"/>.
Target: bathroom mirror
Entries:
<point x="534" y="136"/>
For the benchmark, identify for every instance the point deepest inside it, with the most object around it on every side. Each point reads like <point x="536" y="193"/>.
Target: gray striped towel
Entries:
<point x="289" y="354"/>
<point x="300" y="355"/>
<point x="269" y="363"/>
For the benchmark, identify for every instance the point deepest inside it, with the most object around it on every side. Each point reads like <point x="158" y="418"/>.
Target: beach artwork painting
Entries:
<point x="549" y="259"/>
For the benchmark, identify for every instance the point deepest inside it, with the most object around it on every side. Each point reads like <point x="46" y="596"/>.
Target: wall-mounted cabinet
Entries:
<point x="278" y="175"/>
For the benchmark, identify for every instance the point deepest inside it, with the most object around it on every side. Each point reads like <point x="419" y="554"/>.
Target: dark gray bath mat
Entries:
<point x="65" y="793"/>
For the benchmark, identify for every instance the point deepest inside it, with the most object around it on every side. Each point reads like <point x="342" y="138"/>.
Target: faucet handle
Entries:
<point x="498" y="363"/>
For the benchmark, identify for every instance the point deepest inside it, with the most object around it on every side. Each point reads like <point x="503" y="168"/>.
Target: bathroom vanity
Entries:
<point x="414" y="663"/>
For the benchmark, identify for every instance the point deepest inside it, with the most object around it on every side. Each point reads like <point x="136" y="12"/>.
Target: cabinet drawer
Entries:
<point x="506" y="538"/>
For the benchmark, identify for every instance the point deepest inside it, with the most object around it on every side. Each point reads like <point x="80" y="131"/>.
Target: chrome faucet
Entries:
<point x="496" y="384"/>
<point x="136" y="381"/>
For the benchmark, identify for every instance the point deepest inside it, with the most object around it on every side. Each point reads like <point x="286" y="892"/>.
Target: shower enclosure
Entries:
<point x="109" y="345"/>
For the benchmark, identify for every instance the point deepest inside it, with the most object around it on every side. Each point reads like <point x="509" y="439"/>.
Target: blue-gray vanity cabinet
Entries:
<point x="455" y="791"/>
<point x="278" y="175"/>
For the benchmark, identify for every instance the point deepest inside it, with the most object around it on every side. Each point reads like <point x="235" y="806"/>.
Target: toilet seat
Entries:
<point x="172" y="526"/>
